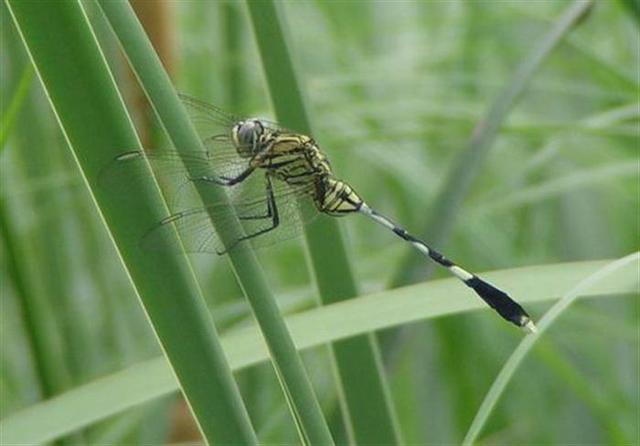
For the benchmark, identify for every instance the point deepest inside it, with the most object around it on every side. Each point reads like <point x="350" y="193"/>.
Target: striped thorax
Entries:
<point x="297" y="160"/>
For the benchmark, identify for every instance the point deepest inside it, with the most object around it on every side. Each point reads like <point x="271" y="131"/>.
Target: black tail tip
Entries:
<point x="502" y="303"/>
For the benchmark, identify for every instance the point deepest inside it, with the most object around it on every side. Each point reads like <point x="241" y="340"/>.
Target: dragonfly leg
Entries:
<point x="272" y="212"/>
<point x="226" y="181"/>
<point x="270" y="203"/>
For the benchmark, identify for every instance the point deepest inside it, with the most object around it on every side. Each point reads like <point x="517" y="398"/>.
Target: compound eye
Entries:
<point x="245" y="133"/>
<point x="250" y="131"/>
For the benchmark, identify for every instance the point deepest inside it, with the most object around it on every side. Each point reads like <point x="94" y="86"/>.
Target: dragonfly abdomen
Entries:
<point x="335" y="197"/>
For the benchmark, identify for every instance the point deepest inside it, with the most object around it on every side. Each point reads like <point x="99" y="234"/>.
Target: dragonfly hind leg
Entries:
<point x="272" y="213"/>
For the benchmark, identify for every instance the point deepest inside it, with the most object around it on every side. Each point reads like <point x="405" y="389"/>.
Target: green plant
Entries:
<point x="392" y="94"/>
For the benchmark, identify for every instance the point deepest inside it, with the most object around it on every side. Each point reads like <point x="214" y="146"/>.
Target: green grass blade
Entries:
<point x="157" y="85"/>
<point x="96" y="127"/>
<point x="232" y="34"/>
<point x="511" y="365"/>
<point x="370" y="416"/>
<point x="470" y="161"/>
<point x="633" y="6"/>
<point x="152" y="379"/>
<point x="577" y="379"/>
<point x="556" y="187"/>
<point x="9" y="115"/>
<point x="41" y="330"/>
<point x="29" y="252"/>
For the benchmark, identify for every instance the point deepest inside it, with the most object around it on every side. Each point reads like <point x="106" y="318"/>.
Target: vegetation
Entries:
<point x="505" y="133"/>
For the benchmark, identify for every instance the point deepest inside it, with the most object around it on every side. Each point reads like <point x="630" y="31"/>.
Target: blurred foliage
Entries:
<point x="394" y="92"/>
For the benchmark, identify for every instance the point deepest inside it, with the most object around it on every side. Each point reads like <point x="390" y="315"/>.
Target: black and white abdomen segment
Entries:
<point x="494" y="297"/>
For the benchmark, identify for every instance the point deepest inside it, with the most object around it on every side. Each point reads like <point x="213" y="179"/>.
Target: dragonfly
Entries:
<point x="286" y="169"/>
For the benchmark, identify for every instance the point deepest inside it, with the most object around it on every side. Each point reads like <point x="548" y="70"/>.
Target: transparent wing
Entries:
<point x="173" y="169"/>
<point x="203" y="111"/>
<point x="262" y="223"/>
<point x="219" y="158"/>
<point x="177" y="173"/>
<point x="208" y="118"/>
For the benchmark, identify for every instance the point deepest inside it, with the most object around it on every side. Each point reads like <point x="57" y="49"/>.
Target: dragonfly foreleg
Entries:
<point x="224" y="180"/>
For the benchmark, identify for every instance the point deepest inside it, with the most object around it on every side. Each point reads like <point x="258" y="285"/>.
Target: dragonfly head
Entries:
<point x="247" y="136"/>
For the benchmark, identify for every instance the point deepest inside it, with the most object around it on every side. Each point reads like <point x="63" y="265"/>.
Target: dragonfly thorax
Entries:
<point x="247" y="136"/>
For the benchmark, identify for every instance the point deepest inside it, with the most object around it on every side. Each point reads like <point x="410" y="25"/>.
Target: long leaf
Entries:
<point x="157" y="85"/>
<point x="96" y="126"/>
<point x="146" y="381"/>
<point x="369" y="415"/>
<point x="526" y="345"/>
<point x="9" y="115"/>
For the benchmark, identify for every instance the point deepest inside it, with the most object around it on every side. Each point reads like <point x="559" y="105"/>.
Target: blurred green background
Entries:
<point x="395" y="91"/>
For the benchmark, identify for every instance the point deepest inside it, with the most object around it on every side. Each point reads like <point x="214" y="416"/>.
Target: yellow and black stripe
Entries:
<point x="335" y="197"/>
